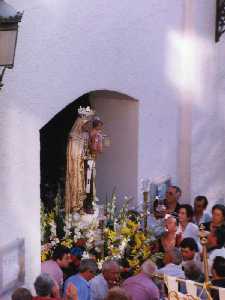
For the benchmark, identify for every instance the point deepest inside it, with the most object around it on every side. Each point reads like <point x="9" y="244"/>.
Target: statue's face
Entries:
<point x="87" y="126"/>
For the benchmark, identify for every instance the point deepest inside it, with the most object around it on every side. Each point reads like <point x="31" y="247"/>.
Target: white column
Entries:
<point x="185" y="122"/>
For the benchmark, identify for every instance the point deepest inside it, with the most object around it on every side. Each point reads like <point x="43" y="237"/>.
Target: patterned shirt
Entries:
<point x="82" y="285"/>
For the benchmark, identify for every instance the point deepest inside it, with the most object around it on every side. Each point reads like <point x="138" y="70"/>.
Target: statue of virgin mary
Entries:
<point x="77" y="150"/>
<point x="84" y="145"/>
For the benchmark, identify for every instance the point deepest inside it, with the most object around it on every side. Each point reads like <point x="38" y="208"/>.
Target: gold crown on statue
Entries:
<point x="85" y="112"/>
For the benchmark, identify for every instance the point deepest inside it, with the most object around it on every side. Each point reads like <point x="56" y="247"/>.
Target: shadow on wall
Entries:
<point x="116" y="167"/>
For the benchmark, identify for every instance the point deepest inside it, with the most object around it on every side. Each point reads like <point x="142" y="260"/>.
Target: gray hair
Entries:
<point x="21" y="294"/>
<point x="175" y="256"/>
<point x="110" y="264"/>
<point x="88" y="265"/>
<point x="117" y="293"/>
<point x="149" y="267"/>
<point x="43" y="285"/>
<point x="192" y="271"/>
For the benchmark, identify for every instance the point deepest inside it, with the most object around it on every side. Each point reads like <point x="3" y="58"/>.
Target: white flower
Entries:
<point x="76" y="217"/>
<point x="85" y="255"/>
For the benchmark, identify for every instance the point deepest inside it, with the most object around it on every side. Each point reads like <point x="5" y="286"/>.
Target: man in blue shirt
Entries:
<point x="88" y="269"/>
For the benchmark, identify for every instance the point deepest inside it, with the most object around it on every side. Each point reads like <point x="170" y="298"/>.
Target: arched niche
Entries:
<point x="116" y="167"/>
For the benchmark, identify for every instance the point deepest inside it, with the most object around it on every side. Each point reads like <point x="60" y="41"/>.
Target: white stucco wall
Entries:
<point x="68" y="48"/>
<point x="206" y="68"/>
<point x="65" y="49"/>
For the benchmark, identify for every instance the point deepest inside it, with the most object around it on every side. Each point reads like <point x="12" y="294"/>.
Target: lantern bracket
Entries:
<point x="1" y="76"/>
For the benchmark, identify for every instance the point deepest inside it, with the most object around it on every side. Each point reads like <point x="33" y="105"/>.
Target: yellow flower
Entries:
<point x="67" y="243"/>
<point x="139" y="239"/>
<point x="134" y="251"/>
<point x="133" y="263"/>
<point x="138" y="242"/>
<point x="115" y="251"/>
<point x="141" y="236"/>
<point x="133" y="226"/>
<point x="126" y="231"/>
<point x="111" y="235"/>
<point x="44" y="255"/>
<point x="146" y="252"/>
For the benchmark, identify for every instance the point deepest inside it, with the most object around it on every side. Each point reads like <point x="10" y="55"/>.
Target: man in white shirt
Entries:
<point x="200" y="214"/>
<point x="104" y="281"/>
<point x="173" y="267"/>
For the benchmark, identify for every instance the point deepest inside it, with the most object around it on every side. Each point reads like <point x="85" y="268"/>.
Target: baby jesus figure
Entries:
<point x="95" y="148"/>
<point x="96" y="138"/>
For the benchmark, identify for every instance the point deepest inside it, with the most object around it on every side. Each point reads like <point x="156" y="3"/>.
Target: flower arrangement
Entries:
<point x="122" y="232"/>
<point x="128" y="242"/>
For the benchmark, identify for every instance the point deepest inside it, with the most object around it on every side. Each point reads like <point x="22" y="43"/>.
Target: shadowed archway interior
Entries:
<point x="53" y="140"/>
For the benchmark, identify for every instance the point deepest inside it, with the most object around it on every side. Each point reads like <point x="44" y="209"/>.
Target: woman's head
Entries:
<point x="216" y="239"/>
<point x="218" y="214"/>
<point x="171" y="224"/>
<point x="185" y="213"/>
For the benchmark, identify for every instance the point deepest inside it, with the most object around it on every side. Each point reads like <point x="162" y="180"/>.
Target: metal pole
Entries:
<point x="204" y="241"/>
<point x="145" y="209"/>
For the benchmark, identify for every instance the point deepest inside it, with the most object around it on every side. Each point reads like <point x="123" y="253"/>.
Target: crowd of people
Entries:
<point x="176" y="228"/>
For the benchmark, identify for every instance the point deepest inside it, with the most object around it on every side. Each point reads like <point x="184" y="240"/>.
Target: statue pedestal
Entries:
<point x="90" y="227"/>
<point x="85" y="219"/>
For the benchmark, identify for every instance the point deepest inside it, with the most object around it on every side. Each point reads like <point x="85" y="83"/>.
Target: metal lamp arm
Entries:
<point x="1" y="76"/>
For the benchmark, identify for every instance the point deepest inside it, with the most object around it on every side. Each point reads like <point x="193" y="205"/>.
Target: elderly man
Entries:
<point x="172" y="261"/>
<point x="22" y="294"/>
<point x="45" y="287"/>
<point x="105" y="280"/>
<point x="141" y="286"/>
<point x="87" y="270"/>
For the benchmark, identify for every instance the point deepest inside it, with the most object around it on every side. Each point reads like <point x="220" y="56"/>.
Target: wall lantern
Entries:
<point x="220" y="19"/>
<point x="9" y="19"/>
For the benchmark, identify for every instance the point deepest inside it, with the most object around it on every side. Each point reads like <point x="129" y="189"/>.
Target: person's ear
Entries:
<point x="55" y="291"/>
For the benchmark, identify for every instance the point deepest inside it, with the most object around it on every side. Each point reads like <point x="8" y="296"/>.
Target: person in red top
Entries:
<point x="46" y="288"/>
